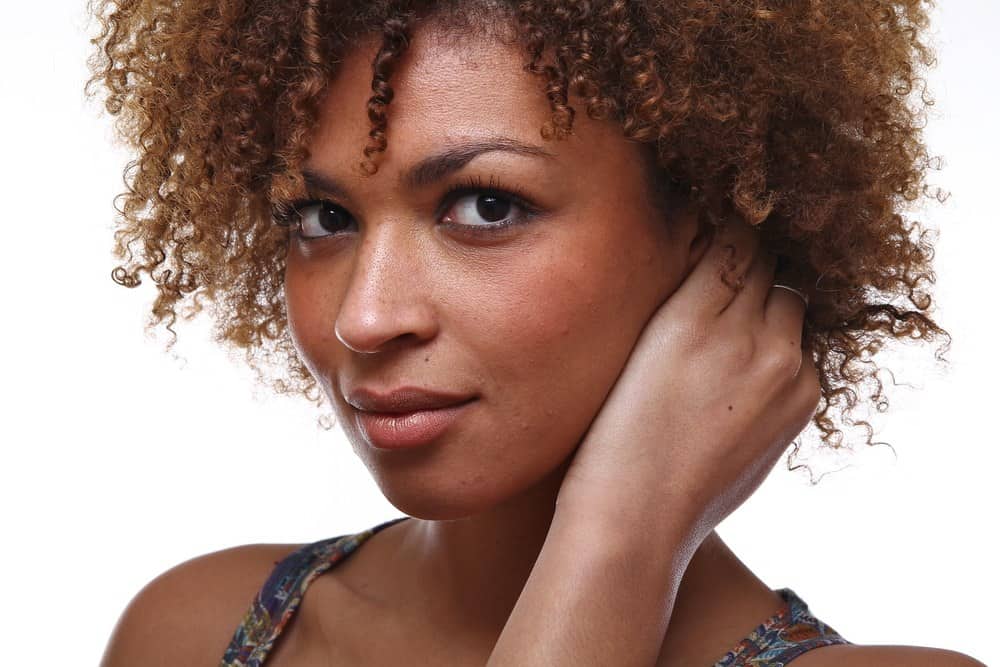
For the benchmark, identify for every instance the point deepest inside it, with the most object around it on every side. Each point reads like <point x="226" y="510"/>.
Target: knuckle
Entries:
<point x="740" y="352"/>
<point x="807" y="391"/>
<point x="813" y="390"/>
<point x="690" y="333"/>
<point x="783" y="362"/>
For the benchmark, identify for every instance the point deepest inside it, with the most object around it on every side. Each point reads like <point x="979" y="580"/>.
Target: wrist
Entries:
<point x="639" y="527"/>
<point x="599" y="593"/>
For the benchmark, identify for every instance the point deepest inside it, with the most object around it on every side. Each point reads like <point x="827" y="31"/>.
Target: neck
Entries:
<point x="476" y="567"/>
<point x="464" y="577"/>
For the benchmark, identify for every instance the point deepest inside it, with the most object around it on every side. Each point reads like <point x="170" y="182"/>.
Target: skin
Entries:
<point x="537" y="321"/>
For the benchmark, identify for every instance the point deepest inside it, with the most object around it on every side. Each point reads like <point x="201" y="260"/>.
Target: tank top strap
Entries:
<point x="786" y="635"/>
<point x="278" y="599"/>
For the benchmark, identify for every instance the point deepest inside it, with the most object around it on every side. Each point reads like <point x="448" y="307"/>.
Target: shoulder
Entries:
<point x="202" y="599"/>
<point x="852" y="655"/>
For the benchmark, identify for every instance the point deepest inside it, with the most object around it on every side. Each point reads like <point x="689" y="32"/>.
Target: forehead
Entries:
<point x="444" y="89"/>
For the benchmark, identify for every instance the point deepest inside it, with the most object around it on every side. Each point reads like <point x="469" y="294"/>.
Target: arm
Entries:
<point x="601" y="592"/>
<point x="715" y="388"/>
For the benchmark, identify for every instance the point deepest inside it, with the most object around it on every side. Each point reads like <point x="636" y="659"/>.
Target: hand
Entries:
<point x="713" y="392"/>
<point x="714" y="389"/>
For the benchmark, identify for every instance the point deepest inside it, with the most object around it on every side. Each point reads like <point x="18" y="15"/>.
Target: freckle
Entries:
<point x="426" y="359"/>
<point x="730" y="408"/>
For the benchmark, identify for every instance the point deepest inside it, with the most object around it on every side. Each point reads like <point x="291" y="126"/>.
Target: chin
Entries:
<point x="473" y="469"/>
<point x="424" y="486"/>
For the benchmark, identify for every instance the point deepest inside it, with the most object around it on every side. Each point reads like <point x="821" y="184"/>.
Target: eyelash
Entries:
<point x="289" y="215"/>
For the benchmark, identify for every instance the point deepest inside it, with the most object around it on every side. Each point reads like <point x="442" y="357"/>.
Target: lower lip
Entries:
<point x="404" y="430"/>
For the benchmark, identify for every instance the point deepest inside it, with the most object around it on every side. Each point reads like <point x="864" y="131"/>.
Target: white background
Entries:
<point x="120" y="461"/>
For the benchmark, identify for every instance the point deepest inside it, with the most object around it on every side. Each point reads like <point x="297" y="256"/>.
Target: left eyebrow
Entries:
<point x="434" y="168"/>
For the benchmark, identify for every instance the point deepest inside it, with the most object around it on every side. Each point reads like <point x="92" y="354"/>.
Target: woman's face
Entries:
<point x="406" y="289"/>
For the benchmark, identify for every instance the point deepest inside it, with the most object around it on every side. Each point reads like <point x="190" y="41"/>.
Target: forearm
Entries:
<point x="601" y="593"/>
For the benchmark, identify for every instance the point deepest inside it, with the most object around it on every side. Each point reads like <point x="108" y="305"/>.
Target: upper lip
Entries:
<point x="403" y="399"/>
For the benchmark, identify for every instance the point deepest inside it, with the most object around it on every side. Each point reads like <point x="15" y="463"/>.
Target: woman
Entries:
<point x="595" y="350"/>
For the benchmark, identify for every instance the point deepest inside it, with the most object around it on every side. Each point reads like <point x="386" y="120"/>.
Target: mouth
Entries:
<point x="403" y="400"/>
<point x="405" y="430"/>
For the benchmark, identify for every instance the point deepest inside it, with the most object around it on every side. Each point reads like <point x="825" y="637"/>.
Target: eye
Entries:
<point x="492" y="209"/>
<point x="471" y="207"/>
<point x="321" y="218"/>
<point x="493" y="205"/>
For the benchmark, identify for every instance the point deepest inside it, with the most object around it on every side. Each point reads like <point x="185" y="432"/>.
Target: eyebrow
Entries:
<point x="436" y="167"/>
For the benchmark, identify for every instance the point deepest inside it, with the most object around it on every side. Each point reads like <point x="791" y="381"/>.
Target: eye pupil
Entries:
<point x="330" y="218"/>
<point x="492" y="208"/>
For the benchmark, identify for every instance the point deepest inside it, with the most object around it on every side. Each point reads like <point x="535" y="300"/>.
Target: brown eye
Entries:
<point x="492" y="208"/>
<point x="488" y="208"/>
<point x="322" y="219"/>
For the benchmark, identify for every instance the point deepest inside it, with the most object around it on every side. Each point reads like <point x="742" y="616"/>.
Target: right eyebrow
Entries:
<point x="435" y="168"/>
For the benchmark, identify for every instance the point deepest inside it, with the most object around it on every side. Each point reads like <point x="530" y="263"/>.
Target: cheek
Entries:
<point x="310" y="310"/>
<point x="556" y="336"/>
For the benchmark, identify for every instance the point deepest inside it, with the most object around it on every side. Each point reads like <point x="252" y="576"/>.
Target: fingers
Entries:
<point x="736" y="276"/>
<point x="760" y="299"/>
<point x="796" y="405"/>
<point x="806" y="391"/>
<point x="782" y="310"/>
<point x="750" y="302"/>
<point x="720" y="275"/>
<point x="785" y="313"/>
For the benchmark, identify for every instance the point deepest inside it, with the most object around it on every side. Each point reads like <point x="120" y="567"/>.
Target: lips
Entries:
<point x="403" y="430"/>
<point x="403" y="399"/>
<point x="405" y="417"/>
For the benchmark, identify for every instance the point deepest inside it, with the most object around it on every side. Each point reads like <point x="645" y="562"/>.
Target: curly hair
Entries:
<point x="803" y="118"/>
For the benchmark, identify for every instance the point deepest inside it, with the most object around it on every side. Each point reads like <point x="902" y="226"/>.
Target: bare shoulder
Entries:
<point x="202" y="601"/>
<point x="851" y="655"/>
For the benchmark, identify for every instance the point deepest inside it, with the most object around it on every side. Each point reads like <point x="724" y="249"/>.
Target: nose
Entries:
<point x="387" y="298"/>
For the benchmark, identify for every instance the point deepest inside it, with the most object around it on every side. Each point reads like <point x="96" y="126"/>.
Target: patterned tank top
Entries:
<point x="787" y="634"/>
